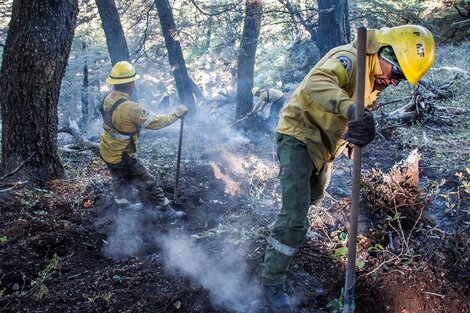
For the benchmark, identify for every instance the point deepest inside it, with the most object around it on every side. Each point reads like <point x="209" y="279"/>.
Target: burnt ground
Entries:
<point x="66" y="248"/>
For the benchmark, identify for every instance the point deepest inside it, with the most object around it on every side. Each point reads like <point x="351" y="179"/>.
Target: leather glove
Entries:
<point x="181" y="111"/>
<point x="348" y="150"/>
<point x="362" y="130"/>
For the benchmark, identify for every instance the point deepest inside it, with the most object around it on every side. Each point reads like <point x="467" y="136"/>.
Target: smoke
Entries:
<point x="128" y="235"/>
<point x="223" y="273"/>
<point x="206" y="140"/>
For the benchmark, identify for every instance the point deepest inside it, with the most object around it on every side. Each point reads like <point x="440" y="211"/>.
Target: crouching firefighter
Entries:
<point x="122" y="122"/>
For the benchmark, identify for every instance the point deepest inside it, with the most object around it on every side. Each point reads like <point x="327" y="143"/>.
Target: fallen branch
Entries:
<point x="79" y="140"/>
<point x="425" y="95"/>
<point x="378" y="105"/>
<point x="461" y="22"/>
<point x="11" y="186"/>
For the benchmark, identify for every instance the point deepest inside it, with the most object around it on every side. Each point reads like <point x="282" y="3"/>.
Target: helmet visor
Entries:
<point x="388" y="55"/>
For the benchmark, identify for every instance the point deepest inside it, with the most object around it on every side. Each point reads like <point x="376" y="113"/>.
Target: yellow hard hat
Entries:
<point x="254" y="90"/>
<point x="414" y="49"/>
<point x="121" y="73"/>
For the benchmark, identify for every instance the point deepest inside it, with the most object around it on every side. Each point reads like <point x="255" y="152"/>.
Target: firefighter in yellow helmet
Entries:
<point x="318" y="122"/>
<point x="122" y="121"/>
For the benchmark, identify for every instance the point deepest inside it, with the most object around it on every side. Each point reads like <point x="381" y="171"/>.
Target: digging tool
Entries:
<point x="356" y="176"/>
<point x="178" y="162"/>
<point x="239" y="120"/>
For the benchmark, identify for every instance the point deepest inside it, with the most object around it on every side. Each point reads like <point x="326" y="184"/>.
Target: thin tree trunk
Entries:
<point x="246" y="56"/>
<point x="115" y="39"/>
<point x="85" y="93"/>
<point x="183" y="82"/>
<point x="34" y="60"/>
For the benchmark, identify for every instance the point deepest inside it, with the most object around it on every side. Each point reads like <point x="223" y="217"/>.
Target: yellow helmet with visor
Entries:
<point x="412" y="49"/>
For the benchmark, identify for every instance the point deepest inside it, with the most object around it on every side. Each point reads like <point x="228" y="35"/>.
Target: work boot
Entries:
<point x="124" y="204"/>
<point x="168" y="213"/>
<point x="277" y="299"/>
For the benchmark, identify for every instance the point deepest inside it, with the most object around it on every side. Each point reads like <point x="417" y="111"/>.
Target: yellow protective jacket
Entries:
<point x="270" y="95"/>
<point x="316" y="113"/>
<point x="266" y="96"/>
<point x="128" y="117"/>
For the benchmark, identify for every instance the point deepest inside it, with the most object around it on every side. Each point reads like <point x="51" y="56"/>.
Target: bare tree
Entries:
<point x="115" y="39"/>
<point x="184" y="83"/>
<point x="84" y="92"/>
<point x="34" y="60"/>
<point x="246" y="56"/>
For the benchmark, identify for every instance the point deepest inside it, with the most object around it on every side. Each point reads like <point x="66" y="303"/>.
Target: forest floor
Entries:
<point x="66" y="248"/>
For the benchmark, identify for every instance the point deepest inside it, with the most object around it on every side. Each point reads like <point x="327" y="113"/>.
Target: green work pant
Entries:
<point x="301" y="186"/>
<point x="131" y="173"/>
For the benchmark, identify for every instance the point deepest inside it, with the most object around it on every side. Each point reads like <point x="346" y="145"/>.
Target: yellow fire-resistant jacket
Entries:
<point x="270" y="95"/>
<point x="316" y="114"/>
<point x="127" y="118"/>
<point x="266" y="96"/>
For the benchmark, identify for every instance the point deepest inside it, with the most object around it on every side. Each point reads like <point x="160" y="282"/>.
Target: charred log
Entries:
<point x="423" y="106"/>
<point x="397" y="196"/>
<point x="80" y="143"/>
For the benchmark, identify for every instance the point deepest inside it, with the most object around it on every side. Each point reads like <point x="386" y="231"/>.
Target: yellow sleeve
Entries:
<point x="149" y="120"/>
<point x="257" y="105"/>
<point x="325" y="85"/>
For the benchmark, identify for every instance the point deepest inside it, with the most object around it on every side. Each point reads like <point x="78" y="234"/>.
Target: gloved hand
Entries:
<point x="181" y="111"/>
<point x="361" y="131"/>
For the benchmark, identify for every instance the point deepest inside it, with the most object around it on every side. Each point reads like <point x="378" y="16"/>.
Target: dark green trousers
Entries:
<point x="301" y="185"/>
<point x="131" y="173"/>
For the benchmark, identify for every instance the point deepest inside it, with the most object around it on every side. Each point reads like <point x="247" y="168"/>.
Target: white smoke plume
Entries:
<point x="223" y="273"/>
<point x="125" y="238"/>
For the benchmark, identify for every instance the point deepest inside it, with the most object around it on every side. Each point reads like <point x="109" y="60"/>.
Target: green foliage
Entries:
<point x="32" y="198"/>
<point x="105" y="297"/>
<point x="51" y="266"/>
<point x="376" y="247"/>
<point x="340" y="252"/>
<point x="39" y="289"/>
<point x="336" y="305"/>
<point x="360" y="264"/>
<point x="464" y="180"/>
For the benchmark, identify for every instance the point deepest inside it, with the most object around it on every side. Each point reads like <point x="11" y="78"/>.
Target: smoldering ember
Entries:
<point x="235" y="156"/>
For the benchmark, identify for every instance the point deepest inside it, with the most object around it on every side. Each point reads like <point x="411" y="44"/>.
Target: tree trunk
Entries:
<point x="333" y="28"/>
<point x="85" y="93"/>
<point x="183" y="82"/>
<point x="115" y="39"/>
<point x="34" y="60"/>
<point x="246" y="56"/>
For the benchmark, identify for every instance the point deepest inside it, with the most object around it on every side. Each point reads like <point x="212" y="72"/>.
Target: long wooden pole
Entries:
<point x="178" y="162"/>
<point x="356" y="175"/>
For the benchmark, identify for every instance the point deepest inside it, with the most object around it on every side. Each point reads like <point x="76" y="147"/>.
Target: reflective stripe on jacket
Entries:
<point x="127" y="118"/>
